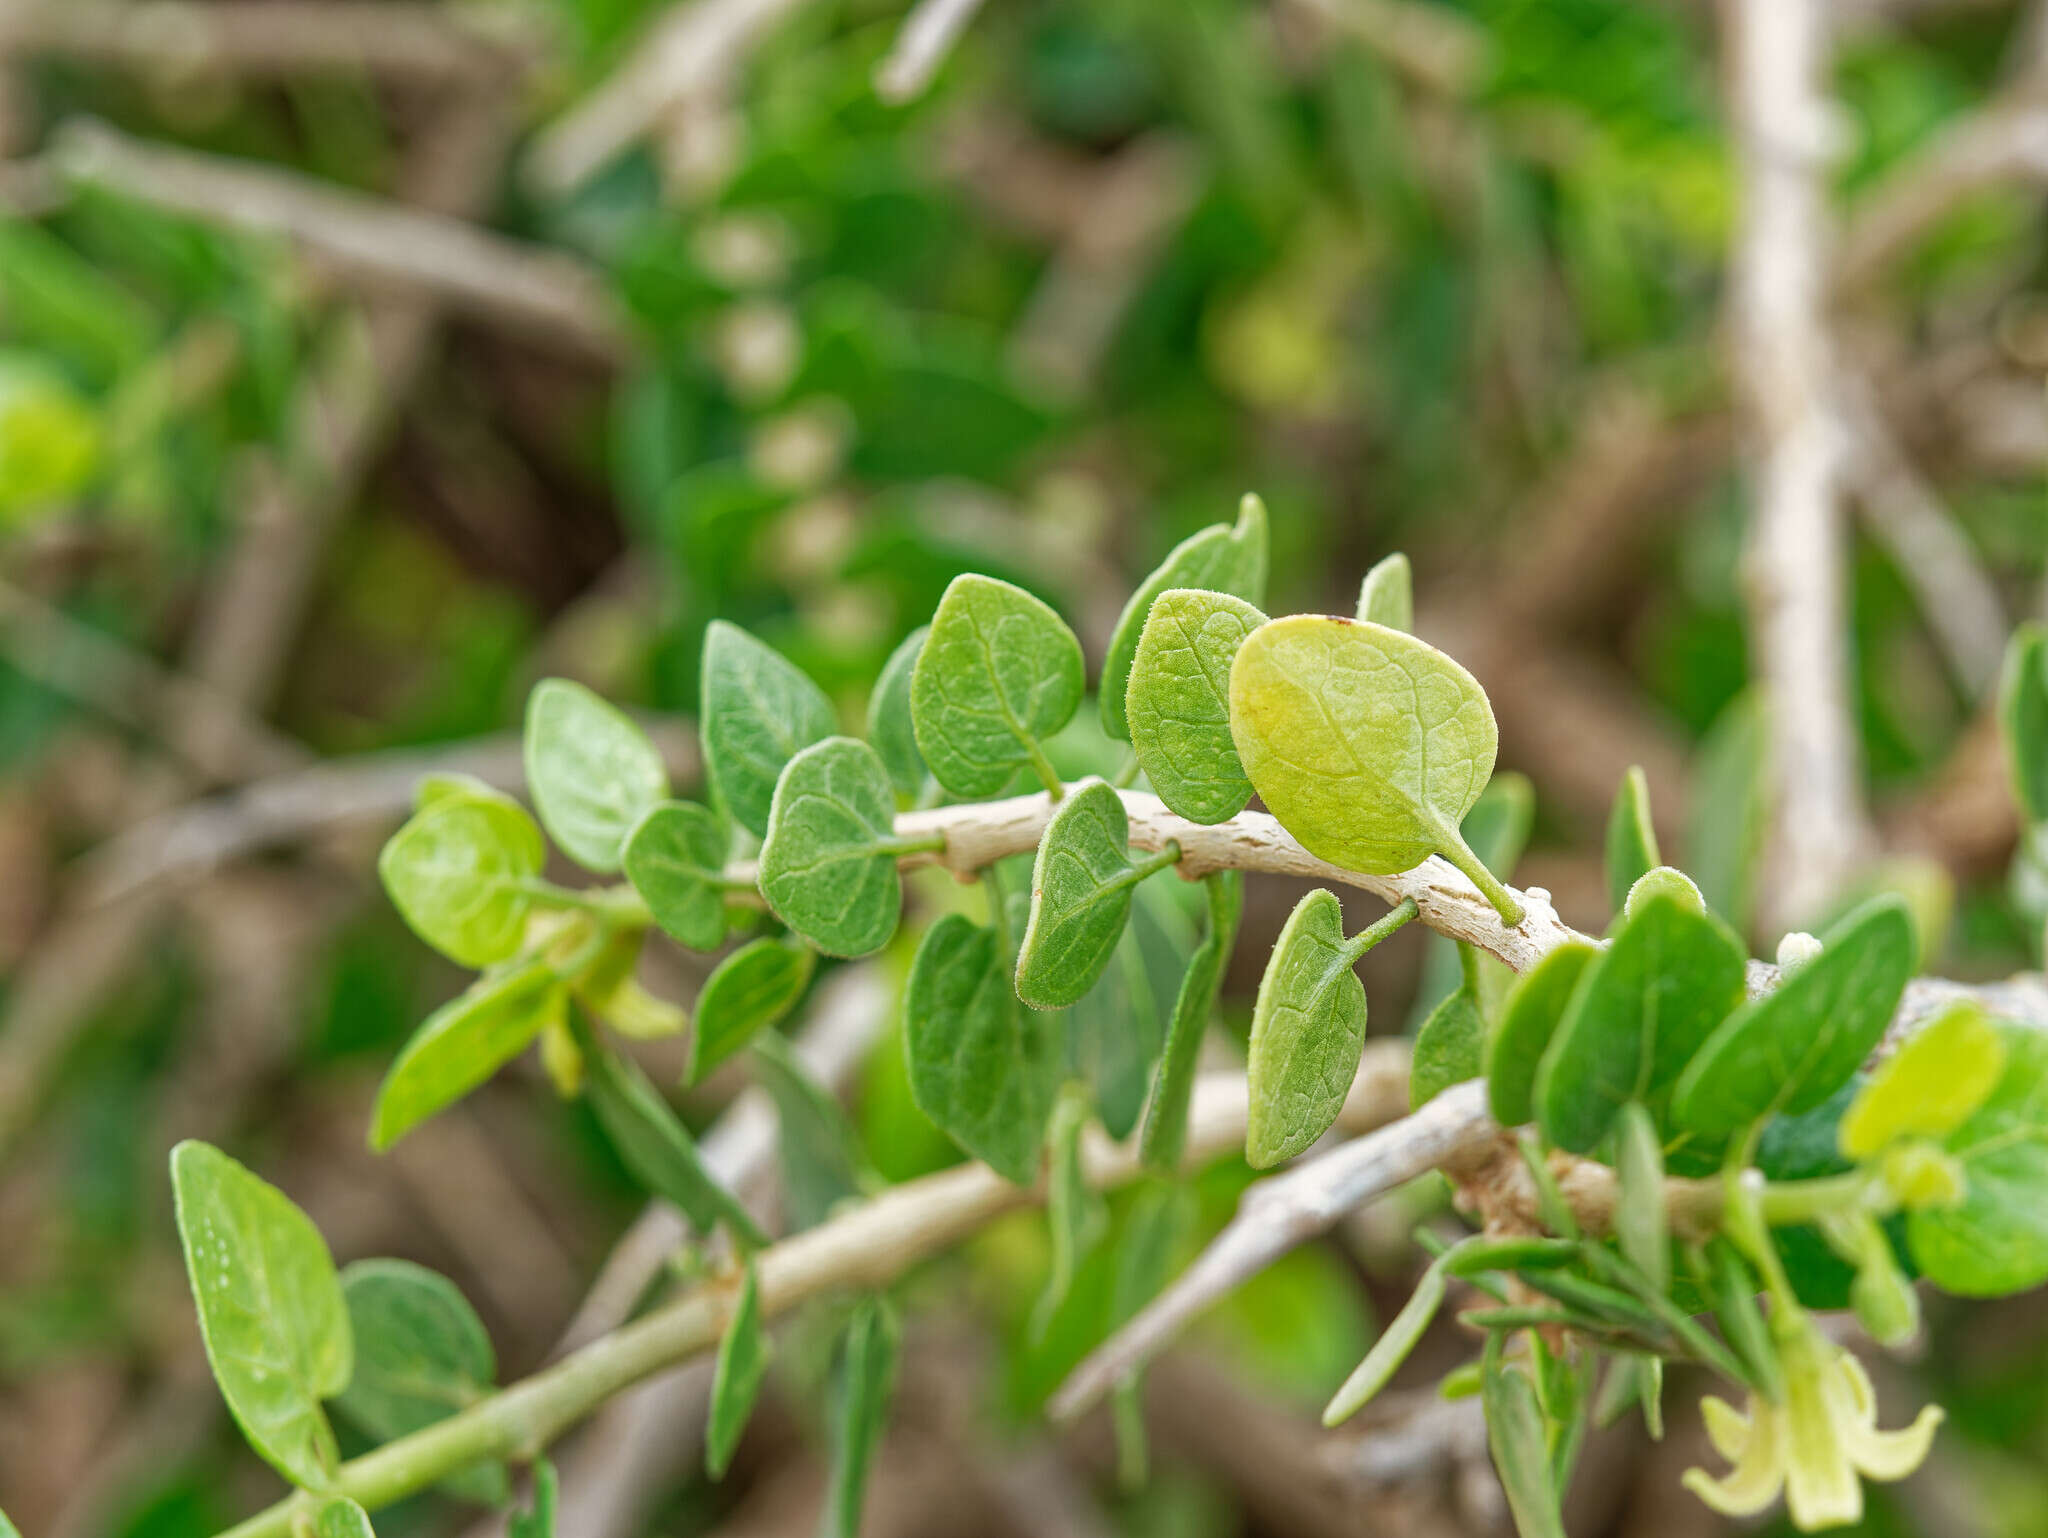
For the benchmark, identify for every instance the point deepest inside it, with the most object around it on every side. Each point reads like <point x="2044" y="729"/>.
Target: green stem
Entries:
<point x="998" y="910"/>
<point x="1042" y="767"/>
<point x="929" y="843"/>
<point x="1454" y="849"/>
<point x="618" y="904"/>
<point x="1152" y="864"/>
<point x="1127" y="776"/>
<point x="1367" y="938"/>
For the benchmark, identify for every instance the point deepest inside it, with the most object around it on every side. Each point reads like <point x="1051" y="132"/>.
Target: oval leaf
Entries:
<point x="591" y="771"/>
<point x="759" y="710"/>
<point x="270" y="1309"/>
<point x="1930" y="1086"/>
<point x="828" y="868"/>
<point x="1387" y="595"/>
<point x="1996" y="1240"/>
<point x="1528" y="1020"/>
<point x="457" y="872"/>
<point x="1221" y="558"/>
<point x="1789" y="1050"/>
<point x="1449" y="1049"/>
<point x="1179" y="702"/>
<point x="890" y="731"/>
<point x="675" y="858"/>
<point x="984" y="1068"/>
<point x="1636" y="1019"/>
<point x="1308" y="1029"/>
<point x="743" y="1353"/>
<point x="463" y="1043"/>
<point x="749" y="991"/>
<point x="1367" y="744"/>
<point x="999" y="674"/>
<point x="1082" y="882"/>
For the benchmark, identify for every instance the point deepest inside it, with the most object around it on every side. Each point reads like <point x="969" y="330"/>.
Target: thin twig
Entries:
<point x="927" y="36"/>
<point x="533" y="290"/>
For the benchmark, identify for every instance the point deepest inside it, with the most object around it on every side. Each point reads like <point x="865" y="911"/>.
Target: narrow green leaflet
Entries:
<point x="458" y="871"/>
<point x="1519" y="1436"/>
<point x="336" y="1516"/>
<point x="1449" y="1049"/>
<point x="1930" y="1086"/>
<point x="592" y="773"/>
<point x="1730" y="809"/>
<point x="270" y="1309"/>
<point x="1082" y="882"/>
<point x="747" y="992"/>
<point x="890" y="732"/>
<point x="1073" y="1213"/>
<point x="652" y="1142"/>
<point x="1527" y="1022"/>
<point x="823" y="1163"/>
<point x="1308" y="1027"/>
<point x="675" y="858"/>
<point x="999" y="674"/>
<point x="1640" y="1220"/>
<point x="1222" y="558"/>
<point x="1392" y="1348"/>
<point x="1115" y="1032"/>
<point x="828" y="867"/>
<point x="1637" y="1017"/>
<point x="866" y="1383"/>
<point x="463" y="1043"/>
<point x="537" y="1520"/>
<point x="1160" y="1219"/>
<point x="1789" y="1050"/>
<point x="1996" y="1241"/>
<point x="1164" y="1137"/>
<point x="983" y="1067"/>
<point x="743" y="1353"/>
<point x="1631" y="839"/>
<point x="2023" y="717"/>
<point x="1387" y="596"/>
<point x="421" y="1355"/>
<point x="1369" y="745"/>
<point x="759" y="709"/>
<point x="1178" y="702"/>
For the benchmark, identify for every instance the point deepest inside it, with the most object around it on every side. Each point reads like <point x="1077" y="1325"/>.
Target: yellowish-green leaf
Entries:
<point x="758" y="711"/>
<point x="271" y="1311"/>
<point x="459" y="873"/>
<point x="743" y="1354"/>
<point x="1996" y="1240"/>
<point x="1387" y="595"/>
<point x="750" y="990"/>
<point x="998" y="675"/>
<point x="1178" y="702"/>
<point x="463" y="1043"/>
<point x="1222" y="558"/>
<point x="1930" y="1086"/>
<point x="1369" y="745"/>
<point x="591" y="771"/>
<point x="675" y="858"/>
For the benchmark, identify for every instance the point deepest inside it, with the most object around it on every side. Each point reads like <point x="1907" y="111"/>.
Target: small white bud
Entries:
<point x="1796" y="950"/>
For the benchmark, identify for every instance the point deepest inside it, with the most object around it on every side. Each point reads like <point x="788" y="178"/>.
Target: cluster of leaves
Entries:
<point x="1647" y="1052"/>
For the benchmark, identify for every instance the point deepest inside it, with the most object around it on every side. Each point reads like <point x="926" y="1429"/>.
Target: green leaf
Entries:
<point x="1929" y="1087"/>
<point x="982" y="1067"/>
<point x="1221" y="558"/>
<point x="453" y="785"/>
<point x="1369" y="745"/>
<point x="866" y="1382"/>
<point x="1518" y="1434"/>
<point x="538" y="1520"/>
<point x="1114" y="1034"/>
<point x="463" y="1043"/>
<point x="336" y="1516"/>
<point x="822" y="1160"/>
<point x="1527" y="1022"/>
<point x="1789" y="1050"/>
<point x="1164" y="1138"/>
<point x="652" y="1143"/>
<point x="759" y="711"/>
<point x="458" y="872"/>
<point x="1631" y="839"/>
<point x="1308" y="1028"/>
<point x="1392" y="1348"/>
<point x="1387" y="596"/>
<point x="421" y="1355"/>
<point x="1638" y="1015"/>
<point x="999" y="674"/>
<point x="7" y="1528"/>
<point x="675" y="858"/>
<point x="1161" y="1217"/>
<point x="747" y="992"/>
<point x="1082" y="882"/>
<point x="1497" y="830"/>
<point x="1640" y="1221"/>
<point x="1449" y="1049"/>
<point x="1073" y="1213"/>
<point x="828" y="868"/>
<point x="1664" y="881"/>
<point x="890" y="730"/>
<point x="743" y="1353"/>
<point x="2023" y="717"/>
<point x="592" y="772"/>
<point x="1996" y="1241"/>
<point x="1178" y="705"/>
<point x="608" y="988"/>
<point x="270" y="1309"/>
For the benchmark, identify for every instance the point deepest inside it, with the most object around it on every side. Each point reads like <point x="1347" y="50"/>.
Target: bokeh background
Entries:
<point x="362" y="361"/>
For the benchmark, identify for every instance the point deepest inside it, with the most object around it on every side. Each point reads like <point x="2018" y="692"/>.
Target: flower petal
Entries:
<point x="1821" y="1486"/>
<point x="1744" y="1493"/>
<point x="1727" y="1427"/>
<point x="1750" y="1442"/>
<point x="1890" y="1455"/>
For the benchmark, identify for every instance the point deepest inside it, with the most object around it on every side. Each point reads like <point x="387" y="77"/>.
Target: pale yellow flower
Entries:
<point x="1813" y="1446"/>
